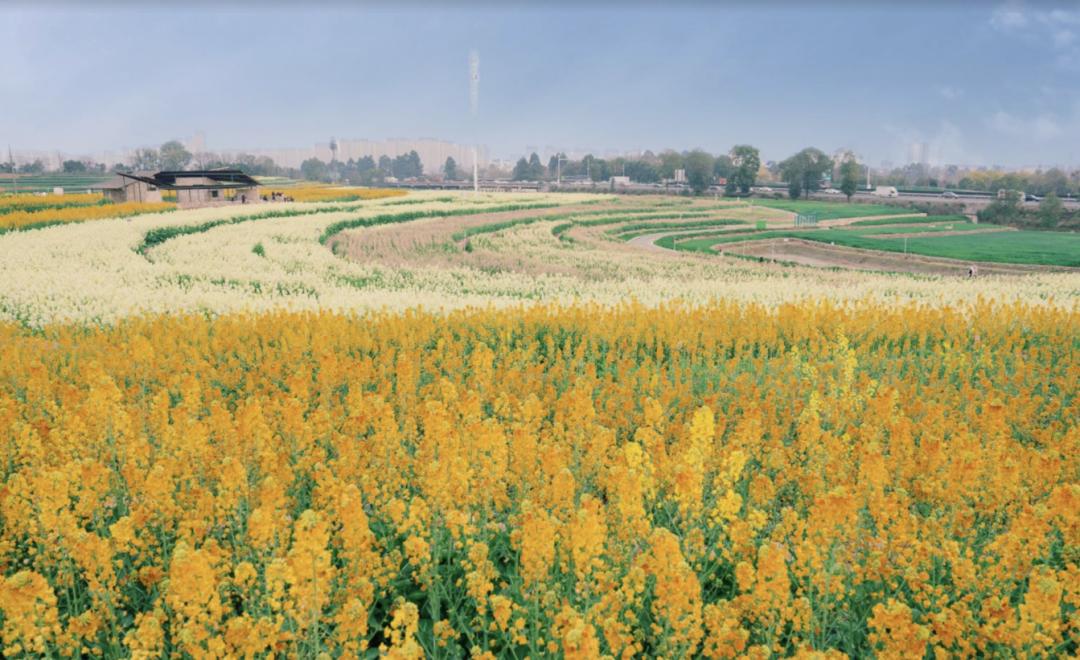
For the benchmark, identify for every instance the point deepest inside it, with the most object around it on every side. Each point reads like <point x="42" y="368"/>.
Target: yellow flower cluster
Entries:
<point x="324" y="193"/>
<point x="24" y="219"/>
<point x="29" y="201"/>
<point x="724" y="480"/>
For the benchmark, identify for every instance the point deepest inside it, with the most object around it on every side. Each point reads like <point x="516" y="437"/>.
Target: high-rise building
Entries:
<point x="918" y="152"/>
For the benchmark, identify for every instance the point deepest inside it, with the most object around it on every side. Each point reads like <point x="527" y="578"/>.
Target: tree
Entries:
<point x="804" y="170"/>
<point x="174" y="156"/>
<point x="669" y="162"/>
<point x="599" y="169"/>
<point x="35" y="167"/>
<point x="1050" y="210"/>
<point x="314" y="169"/>
<point x="536" y="169"/>
<point x="408" y="166"/>
<point x="1004" y="210"/>
<point x="521" y="170"/>
<point x="642" y="171"/>
<point x="72" y="166"/>
<point x="450" y="169"/>
<point x="747" y="162"/>
<point x="849" y="177"/>
<point x="723" y="168"/>
<point x="386" y="165"/>
<point x="146" y="159"/>
<point x="699" y="170"/>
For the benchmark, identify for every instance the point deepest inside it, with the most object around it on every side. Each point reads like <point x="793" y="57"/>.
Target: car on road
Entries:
<point x="948" y="194"/>
<point x="763" y="191"/>
<point x="831" y="191"/>
<point x="885" y="191"/>
<point x="1028" y="197"/>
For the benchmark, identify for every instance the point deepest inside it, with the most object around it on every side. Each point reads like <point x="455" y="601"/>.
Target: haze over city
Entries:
<point x="977" y="84"/>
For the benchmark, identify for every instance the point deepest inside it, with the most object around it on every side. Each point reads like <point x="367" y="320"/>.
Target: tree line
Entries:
<point x="365" y="170"/>
<point x="737" y="171"/>
<point x="738" y="168"/>
<point x="1038" y="182"/>
<point x="1008" y="209"/>
<point x="172" y="155"/>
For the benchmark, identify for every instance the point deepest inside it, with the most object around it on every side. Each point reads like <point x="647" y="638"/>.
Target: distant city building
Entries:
<point x="196" y="144"/>
<point x="680" y="176"/>
<point x="919" y="153"/>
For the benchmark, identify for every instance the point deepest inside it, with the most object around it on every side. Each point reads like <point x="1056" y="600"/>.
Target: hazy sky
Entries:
<point x="980" y="83"/>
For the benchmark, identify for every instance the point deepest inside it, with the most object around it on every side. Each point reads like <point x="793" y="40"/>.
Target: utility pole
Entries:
<point x="14" y="171"/>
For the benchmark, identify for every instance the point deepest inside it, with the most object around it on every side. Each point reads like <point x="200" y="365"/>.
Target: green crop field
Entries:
<point x="831" y="210"/>
<point x="76" y="183"/>
<point x="1019" y="247"/>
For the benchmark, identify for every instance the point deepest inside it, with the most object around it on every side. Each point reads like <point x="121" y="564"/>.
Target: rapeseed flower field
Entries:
<point x="727" y="479"/>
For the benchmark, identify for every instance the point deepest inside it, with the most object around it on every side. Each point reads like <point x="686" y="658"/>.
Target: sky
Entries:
<point x="979" y="83"/>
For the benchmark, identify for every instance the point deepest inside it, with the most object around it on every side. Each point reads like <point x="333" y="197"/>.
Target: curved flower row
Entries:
<point x="91" y="271"/>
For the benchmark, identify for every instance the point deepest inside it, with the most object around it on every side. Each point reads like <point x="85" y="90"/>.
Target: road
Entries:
<point x="972" y="203"/>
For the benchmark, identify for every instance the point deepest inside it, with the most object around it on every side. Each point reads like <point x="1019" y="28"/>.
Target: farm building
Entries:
<point x="193" y="188"/>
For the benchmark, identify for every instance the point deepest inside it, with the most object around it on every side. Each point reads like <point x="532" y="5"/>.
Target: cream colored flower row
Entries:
<point x="91" y="271"/>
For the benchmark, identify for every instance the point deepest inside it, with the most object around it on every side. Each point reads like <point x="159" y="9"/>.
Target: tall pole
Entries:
<point x="474" y="106"/>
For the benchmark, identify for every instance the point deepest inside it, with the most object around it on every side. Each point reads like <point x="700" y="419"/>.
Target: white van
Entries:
<point x="885" y="191"/>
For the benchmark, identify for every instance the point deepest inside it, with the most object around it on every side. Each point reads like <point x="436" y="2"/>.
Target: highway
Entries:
<point x="972" y="203"/>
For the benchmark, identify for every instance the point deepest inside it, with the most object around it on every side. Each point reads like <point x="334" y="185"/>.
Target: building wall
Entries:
<point x="198" y="197"/>
<point x="138" y="191"/>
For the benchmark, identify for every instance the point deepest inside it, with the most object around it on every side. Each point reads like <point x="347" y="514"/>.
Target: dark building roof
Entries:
<point x="174" y="180"/>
